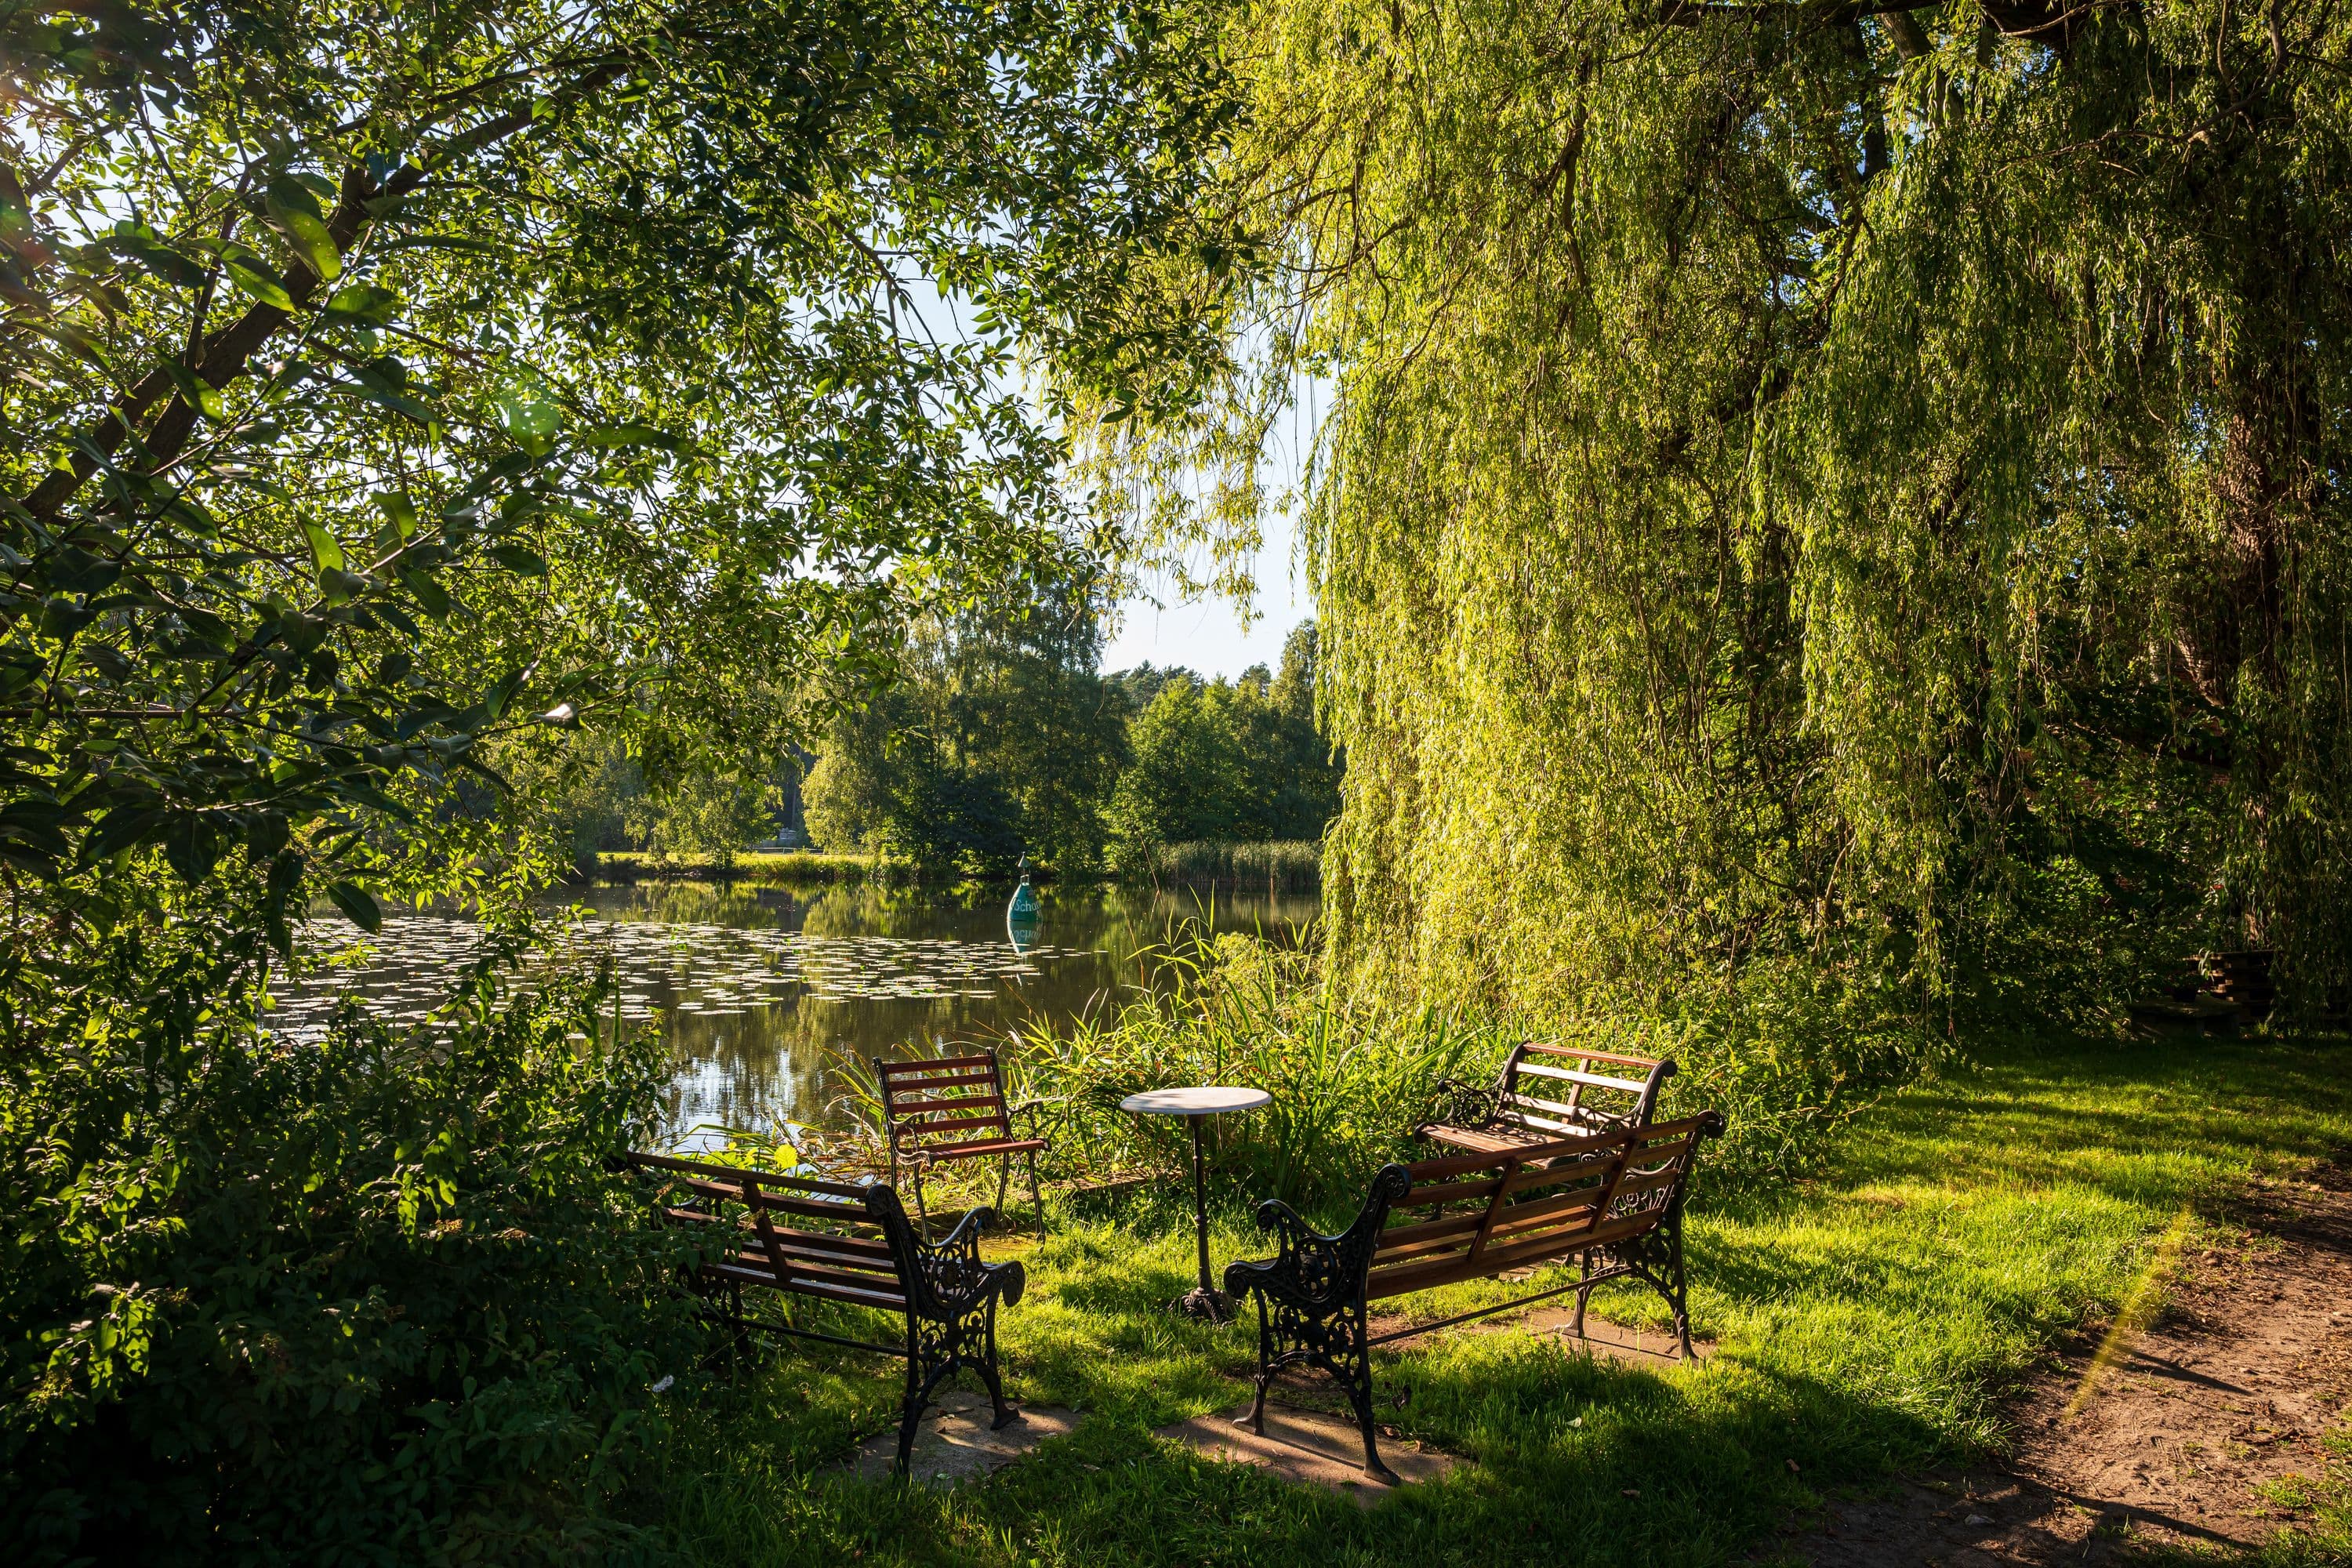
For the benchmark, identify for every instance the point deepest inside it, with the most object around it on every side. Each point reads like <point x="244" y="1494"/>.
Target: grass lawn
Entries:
<point x="1869" y="1317"/>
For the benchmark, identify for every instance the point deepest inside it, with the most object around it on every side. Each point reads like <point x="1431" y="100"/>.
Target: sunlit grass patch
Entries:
<point x="1867" y="1318"/>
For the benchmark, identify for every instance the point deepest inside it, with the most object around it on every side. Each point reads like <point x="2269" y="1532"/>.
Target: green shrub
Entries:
<point x="372" y="1300"/>
<point x="1235" y="1009"/>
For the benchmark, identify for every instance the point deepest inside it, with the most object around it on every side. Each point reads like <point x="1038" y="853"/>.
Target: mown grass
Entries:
<point x="1870" y="1318"/>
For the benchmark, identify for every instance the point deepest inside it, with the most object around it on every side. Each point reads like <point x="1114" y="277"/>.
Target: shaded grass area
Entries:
<point x="1870" y="1317"/>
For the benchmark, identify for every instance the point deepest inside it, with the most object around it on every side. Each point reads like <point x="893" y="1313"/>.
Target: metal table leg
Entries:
<point x="1204" y="1300"/>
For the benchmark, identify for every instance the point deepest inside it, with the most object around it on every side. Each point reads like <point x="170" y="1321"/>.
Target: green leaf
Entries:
<point x="257" y="281"/>
<point x="305" y="231"/>
<point x="158" y="260"/>
<point x="399" y="511"/>
<point x="623" y="436"/>
<point x="430" y="594"/>
<point x="517" y="560"/>
<point x="340" y="586"/>
<point x="202" y="395"/>
<point x="120" y="829"/>
<point x="495" y="700"/>
<point x="193" y="847"/>
<point x="325" y="553"/>
<point x="363" y="304"/>
<point x="359" y="906"/>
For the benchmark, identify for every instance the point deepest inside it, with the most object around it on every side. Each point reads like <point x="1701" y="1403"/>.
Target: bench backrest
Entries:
<point x="942" y="1100"/>
<point x="1574" y="1091"/>
<point x="1525" y="1205"/>
<point x="811" y="1237"/>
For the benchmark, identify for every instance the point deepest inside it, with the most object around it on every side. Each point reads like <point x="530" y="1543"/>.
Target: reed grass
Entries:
<point x="1227" y="1008"/>
<point x="1277" y="865"/>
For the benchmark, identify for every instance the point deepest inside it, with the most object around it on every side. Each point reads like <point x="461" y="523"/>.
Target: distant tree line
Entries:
<point x="994" y="736"/>
<point x="1003" y="738"/>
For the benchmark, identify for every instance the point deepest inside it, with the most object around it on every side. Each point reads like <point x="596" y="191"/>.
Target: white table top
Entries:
<point x="1207" y="1101"/>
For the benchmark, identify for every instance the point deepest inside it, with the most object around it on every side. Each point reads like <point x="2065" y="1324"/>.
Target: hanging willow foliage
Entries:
<point x="1823" y="508"/>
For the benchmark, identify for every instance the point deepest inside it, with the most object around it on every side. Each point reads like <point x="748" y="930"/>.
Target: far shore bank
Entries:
<point x="1240" y="869"/>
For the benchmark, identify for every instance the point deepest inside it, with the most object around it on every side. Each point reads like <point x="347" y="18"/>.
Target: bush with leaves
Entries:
<point x="367" y="1300"/>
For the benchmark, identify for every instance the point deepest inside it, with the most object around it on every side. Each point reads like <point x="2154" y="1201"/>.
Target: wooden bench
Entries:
<point x="1547" y="1091"/>
<point x="833" y="1242"/>
<point x="942" y="1109"/>
<point x="1613" y="1201"/>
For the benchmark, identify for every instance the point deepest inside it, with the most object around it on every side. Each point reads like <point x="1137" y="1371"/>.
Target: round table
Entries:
<point x="1204" y="1300"/>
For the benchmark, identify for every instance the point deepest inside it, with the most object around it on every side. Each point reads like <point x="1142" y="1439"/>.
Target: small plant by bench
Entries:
<point x="833" y="1242"/>
<point x="1614" y="1202"/>
<point x="1544" y="1092"/>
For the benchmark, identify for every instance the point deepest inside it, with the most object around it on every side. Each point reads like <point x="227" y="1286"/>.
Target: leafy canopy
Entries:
<point x="1828" y="519"/>
<point x="387" y="387"/>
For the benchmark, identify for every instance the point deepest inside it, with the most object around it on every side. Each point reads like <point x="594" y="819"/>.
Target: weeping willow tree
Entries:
<point x="1828" y="518"/>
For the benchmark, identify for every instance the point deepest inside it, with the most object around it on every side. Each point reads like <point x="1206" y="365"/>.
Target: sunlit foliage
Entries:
<point x="1829" y="519"/>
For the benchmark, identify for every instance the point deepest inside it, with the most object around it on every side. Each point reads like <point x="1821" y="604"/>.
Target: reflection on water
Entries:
<point x="759" y="988"/>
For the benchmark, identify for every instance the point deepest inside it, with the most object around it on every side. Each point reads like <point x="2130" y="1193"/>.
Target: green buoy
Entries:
<point x="1020" y="914"/>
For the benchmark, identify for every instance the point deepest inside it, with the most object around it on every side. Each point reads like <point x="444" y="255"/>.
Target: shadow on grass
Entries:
<point x="1869" y="1319"/>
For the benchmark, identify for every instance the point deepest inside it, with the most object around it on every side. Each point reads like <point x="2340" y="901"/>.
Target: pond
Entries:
<point x="763" y="991"/>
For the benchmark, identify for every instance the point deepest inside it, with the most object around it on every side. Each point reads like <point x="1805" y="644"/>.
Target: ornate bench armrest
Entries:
<point x="1460" y="1104"/>
<point x="1313" y="1271"/>
<point x="953" y="1270"/>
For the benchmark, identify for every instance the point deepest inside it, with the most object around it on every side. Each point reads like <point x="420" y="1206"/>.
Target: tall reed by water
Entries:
<point x="1276" y="865"/>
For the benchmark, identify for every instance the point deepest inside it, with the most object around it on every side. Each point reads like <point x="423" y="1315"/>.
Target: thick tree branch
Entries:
<point x="227" y="352"/>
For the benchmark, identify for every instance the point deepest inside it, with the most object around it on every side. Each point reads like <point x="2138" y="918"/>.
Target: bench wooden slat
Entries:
<point x="1557" y="1108"/>
<point x="811" y="1241"/>
<point x="706" y="1170"/>
<point x="1455" y="1192"/>
<point x="806" y="1273"/>
<point x="869" y="1271"/>
<point x="778" y="1203"/>
<point x="1586" y="1053"/>
<point x="985" y="1146"/>
<point x="1550" y="1124"/>
<point x="1567" y="1212"/>
<point x="935" y="1064"/>
<point x="1447" y="1166"/>
<point x="963" y="1083"/>
<point x="914" y="1108"/>
<point x="885" y="1300"/>
<point x="1494" y="1260"/>
<point x="960" y="1124"/>
<point x="1571" y="1075"/>
<point x="815" y="1208"/>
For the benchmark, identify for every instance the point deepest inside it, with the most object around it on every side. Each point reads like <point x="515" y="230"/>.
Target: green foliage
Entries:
<point x="994" y="738"/>
<point x="1226" y="761"/>
<point x="1234" y="1008"/>
<point x="389" y="391"/>
<point x="374" y="1299"/>
<point x="1807" y="496"/>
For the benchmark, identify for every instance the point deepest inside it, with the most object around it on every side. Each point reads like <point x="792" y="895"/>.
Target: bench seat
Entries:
<point x="1544" y="1092"/>
<point x="831" y="1241"/>
<point x="1612" y="1201"/>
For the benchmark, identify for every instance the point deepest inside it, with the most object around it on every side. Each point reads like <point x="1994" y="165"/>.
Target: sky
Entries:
<point x="1207" y="636"/>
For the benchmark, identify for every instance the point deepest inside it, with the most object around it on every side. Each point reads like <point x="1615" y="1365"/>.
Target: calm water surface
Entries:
<point x="764" y="990"/>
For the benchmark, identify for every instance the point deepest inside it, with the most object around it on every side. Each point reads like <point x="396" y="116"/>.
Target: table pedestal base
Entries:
<point x="1209" y="1305"/>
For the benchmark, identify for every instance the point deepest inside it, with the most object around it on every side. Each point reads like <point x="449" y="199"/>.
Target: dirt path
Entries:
<point x="2174" y="1445"/>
